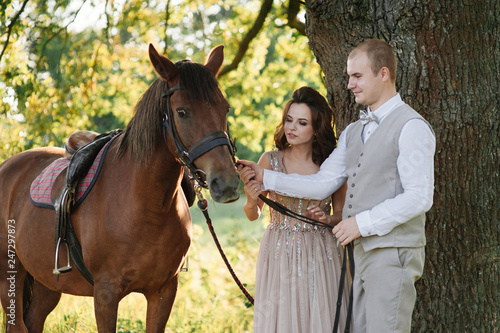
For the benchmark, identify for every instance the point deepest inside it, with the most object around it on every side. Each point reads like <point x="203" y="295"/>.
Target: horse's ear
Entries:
<point x="215" y="59"/>
<point x="164" y="67"/>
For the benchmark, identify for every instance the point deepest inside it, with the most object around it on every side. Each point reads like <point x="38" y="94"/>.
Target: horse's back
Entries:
<point x="36" y="158"/>
<point x="18" y="172"/>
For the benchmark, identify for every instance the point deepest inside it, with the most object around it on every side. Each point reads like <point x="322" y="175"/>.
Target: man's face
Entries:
<point x="366" y="86"/>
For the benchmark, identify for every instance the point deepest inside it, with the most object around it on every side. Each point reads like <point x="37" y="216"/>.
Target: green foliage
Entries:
<point x="56" y="77"/>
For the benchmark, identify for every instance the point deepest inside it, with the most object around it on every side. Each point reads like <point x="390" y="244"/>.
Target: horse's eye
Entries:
<point x="182" y="113"/>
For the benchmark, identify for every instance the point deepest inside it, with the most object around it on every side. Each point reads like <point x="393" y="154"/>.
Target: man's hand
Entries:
<point x="347" y="230"/>
<point x="251" y="170"/>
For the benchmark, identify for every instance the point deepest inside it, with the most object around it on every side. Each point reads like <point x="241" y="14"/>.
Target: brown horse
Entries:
<point x="134" y="226"/>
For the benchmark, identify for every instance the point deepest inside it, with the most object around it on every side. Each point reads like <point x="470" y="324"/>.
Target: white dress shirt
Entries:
<point x="415" y="165"/>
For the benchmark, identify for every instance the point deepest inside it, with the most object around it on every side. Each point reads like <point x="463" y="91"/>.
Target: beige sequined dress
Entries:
<point x="298" y="271"/>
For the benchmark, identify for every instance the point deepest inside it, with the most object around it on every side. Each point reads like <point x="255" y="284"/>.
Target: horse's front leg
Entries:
<point x="160" y="304"/>
<point x="106" y="299"/>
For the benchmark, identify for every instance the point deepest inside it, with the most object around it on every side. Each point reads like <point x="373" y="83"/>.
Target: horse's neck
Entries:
<point x="163" y="167"/>
<point x="160" y="175"/>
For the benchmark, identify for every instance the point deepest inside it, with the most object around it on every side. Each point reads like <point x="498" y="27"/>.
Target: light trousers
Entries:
<point x="384" y="288"/>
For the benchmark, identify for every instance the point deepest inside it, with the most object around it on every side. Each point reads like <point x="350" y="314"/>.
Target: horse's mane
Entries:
<point x="145" y="130"/>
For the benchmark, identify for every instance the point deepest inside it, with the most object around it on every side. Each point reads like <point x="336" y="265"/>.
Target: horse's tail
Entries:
<point x="28" y="289"/>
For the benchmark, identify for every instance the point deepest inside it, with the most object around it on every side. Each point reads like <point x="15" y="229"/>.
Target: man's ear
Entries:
<point x="386" y="74"/>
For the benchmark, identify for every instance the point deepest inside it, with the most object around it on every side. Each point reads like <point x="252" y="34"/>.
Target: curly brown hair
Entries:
<point x="322" y="122"/>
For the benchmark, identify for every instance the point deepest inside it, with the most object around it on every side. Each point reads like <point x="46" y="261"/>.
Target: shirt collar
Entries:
<point x="388" y="107"/>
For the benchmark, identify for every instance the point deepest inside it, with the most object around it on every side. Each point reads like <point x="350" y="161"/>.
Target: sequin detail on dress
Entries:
<point x="298" y="270"/>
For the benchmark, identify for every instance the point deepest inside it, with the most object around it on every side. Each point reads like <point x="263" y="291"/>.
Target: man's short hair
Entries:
<point x="380" y="54"/>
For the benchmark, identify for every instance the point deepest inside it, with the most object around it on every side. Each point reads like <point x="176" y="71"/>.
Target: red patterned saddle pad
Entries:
<point x="41" y="188"/>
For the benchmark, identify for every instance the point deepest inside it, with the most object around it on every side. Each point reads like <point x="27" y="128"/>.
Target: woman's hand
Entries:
<point x="319" y="214"/>
<point x="249" y="173"/>
<point x="246" y="173"/>
<point x="253" y="169"/>
<point x="252" y="187"/>
<point x="252" y="190"/>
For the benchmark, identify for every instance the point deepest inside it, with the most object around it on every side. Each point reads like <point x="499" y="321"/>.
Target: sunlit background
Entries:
<point x="84" y="64"/>
<point x="70" y="65"/>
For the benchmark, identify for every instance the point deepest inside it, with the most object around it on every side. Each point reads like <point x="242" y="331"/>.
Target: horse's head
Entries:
<point x="196" y="121"/>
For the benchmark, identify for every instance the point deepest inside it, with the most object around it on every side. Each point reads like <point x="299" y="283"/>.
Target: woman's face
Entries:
<point x="298" y="125"/>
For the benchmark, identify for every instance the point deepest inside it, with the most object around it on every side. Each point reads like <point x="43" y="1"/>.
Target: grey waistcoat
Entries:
<point x="373" y="178"/>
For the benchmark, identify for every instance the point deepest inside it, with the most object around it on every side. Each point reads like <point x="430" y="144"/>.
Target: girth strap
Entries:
<point x="75" y="251"/>
<point x="65" y="234"/>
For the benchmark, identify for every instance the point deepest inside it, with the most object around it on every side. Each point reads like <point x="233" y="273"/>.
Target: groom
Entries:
<point x="387" y="158"/>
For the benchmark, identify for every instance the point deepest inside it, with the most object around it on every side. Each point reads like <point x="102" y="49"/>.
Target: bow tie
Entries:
<point x="366" y="117"/>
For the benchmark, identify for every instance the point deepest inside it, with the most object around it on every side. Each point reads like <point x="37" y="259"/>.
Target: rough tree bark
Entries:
<point x="448" y="70"/>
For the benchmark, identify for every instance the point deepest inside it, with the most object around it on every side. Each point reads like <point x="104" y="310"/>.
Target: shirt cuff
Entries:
<point x="268" y="180"/>
<point x="365" y="225"/>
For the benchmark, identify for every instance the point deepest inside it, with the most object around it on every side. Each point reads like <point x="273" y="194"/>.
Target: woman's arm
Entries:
<point x="317" y="186"/>
<point x="253" y="205"/>
<point x="338" y="199"/>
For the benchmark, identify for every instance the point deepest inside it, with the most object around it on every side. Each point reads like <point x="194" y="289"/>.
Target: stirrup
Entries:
<point x="60" y="270"/>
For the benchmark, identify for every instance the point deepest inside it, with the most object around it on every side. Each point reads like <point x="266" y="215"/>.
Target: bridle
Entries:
<point x="187" y="156"/>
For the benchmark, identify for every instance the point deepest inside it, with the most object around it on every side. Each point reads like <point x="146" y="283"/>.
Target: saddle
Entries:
<point x="82" y="148"/>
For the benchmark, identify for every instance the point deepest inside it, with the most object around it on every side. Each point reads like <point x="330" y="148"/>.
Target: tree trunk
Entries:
<point x="448" y="70"/>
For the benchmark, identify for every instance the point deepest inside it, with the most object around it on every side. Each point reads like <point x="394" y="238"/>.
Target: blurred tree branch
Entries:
<point x="11" y="26"/>
<point x="293" y="21"/>
<point x="252" y="33"/>
<point x="167" y="18"/>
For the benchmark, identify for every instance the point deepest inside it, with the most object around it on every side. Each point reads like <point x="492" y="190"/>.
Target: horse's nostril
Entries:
<point x="214" y="186"/>
<point x="223" y="190"/>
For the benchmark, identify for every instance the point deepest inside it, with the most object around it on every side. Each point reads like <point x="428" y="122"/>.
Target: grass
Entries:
<point x="208" y="300"/>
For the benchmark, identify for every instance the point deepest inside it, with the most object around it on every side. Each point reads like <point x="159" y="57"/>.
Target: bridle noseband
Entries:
<point x="187" y="157"/>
